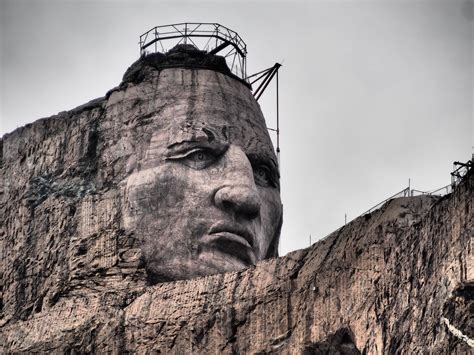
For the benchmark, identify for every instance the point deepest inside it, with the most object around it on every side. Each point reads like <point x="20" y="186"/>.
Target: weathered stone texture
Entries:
<point x="73" y="278"/>
<point x="381" y="284"/>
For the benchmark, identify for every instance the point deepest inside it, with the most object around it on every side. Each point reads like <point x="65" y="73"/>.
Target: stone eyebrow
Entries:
<point x="216" y="145"/>
<point x="185" y="143"/>
<point x="191" y="136"/>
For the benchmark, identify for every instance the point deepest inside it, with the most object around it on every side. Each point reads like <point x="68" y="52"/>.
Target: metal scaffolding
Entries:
<point x="210" y="37"/>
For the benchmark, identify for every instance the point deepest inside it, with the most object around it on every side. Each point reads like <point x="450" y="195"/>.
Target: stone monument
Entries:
<point x="202" y="186"/>
<point x="133" y="223"/>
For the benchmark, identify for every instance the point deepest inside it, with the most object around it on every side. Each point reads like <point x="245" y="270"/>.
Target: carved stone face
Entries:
<point x="204" y="198"/>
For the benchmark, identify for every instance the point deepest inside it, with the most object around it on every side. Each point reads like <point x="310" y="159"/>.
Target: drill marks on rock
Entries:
<point x="88" y="225"/>
<point x="98" y="213"/>
<point x="210" y="302"/>
<point x="66" y="316"/>
<point x="96" y="246"/>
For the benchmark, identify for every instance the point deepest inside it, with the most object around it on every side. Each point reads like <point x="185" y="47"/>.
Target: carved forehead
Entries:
<point x="218" y="125"/>
<point x="209" y="104"/>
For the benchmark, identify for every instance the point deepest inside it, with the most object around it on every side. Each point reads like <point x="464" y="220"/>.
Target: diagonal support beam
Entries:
<point x="263" y="85"/>
<point x="220" y="47"/>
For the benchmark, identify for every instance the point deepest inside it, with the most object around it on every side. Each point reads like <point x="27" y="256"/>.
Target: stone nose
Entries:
<point x="240" y="200"/>
<point x="238" y="193"/>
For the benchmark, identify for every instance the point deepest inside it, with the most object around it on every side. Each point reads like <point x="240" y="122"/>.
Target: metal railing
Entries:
<point x="209" y="37"/>
<point x="438" y="192"/>
<point x="404" y="193"/>
<point x="408" y="192"/>
<point x="460" y="171"/>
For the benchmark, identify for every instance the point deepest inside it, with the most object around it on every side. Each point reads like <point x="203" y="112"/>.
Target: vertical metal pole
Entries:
<point x="310" y="240"/>
<point x="278" y="122"/>
<point x="453" y="179"/>
<point x="185" y="33"/>
<point x="345" y="218"/>
<point x="245" y="72"/>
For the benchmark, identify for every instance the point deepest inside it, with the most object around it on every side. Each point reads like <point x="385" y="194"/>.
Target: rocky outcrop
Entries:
<point x="398" y="280"/>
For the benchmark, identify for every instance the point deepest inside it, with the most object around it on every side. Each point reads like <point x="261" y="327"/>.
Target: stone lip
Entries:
<point x="181" y="56"/>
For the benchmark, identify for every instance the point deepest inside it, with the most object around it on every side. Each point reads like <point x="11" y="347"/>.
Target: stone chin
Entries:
<point x="203" y="194"/>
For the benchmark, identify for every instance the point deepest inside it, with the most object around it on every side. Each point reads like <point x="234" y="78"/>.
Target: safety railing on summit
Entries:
<point x="210" y="37"/>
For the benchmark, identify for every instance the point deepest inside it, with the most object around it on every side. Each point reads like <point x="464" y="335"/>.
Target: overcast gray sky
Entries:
<point x="372" y="93"/>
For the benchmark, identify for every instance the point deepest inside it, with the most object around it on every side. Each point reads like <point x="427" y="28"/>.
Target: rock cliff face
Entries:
<point x="398" y="280"/>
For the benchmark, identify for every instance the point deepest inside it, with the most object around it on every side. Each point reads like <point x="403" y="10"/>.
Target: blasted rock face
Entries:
<point x="202" y="192"/>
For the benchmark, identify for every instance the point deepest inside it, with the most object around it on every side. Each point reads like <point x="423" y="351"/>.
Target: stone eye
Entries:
<point x="262" y="176"/>
<point x="199" y="158"/>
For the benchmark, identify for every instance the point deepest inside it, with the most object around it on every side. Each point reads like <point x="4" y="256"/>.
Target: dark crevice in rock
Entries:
<point x="465" y="291"/>
<point x="88" y="165"/>
<point x="332" y="246"/>
<point x="236" y="324"/>
<point x="339" y="343"/>
<point x="300" y="263"/>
